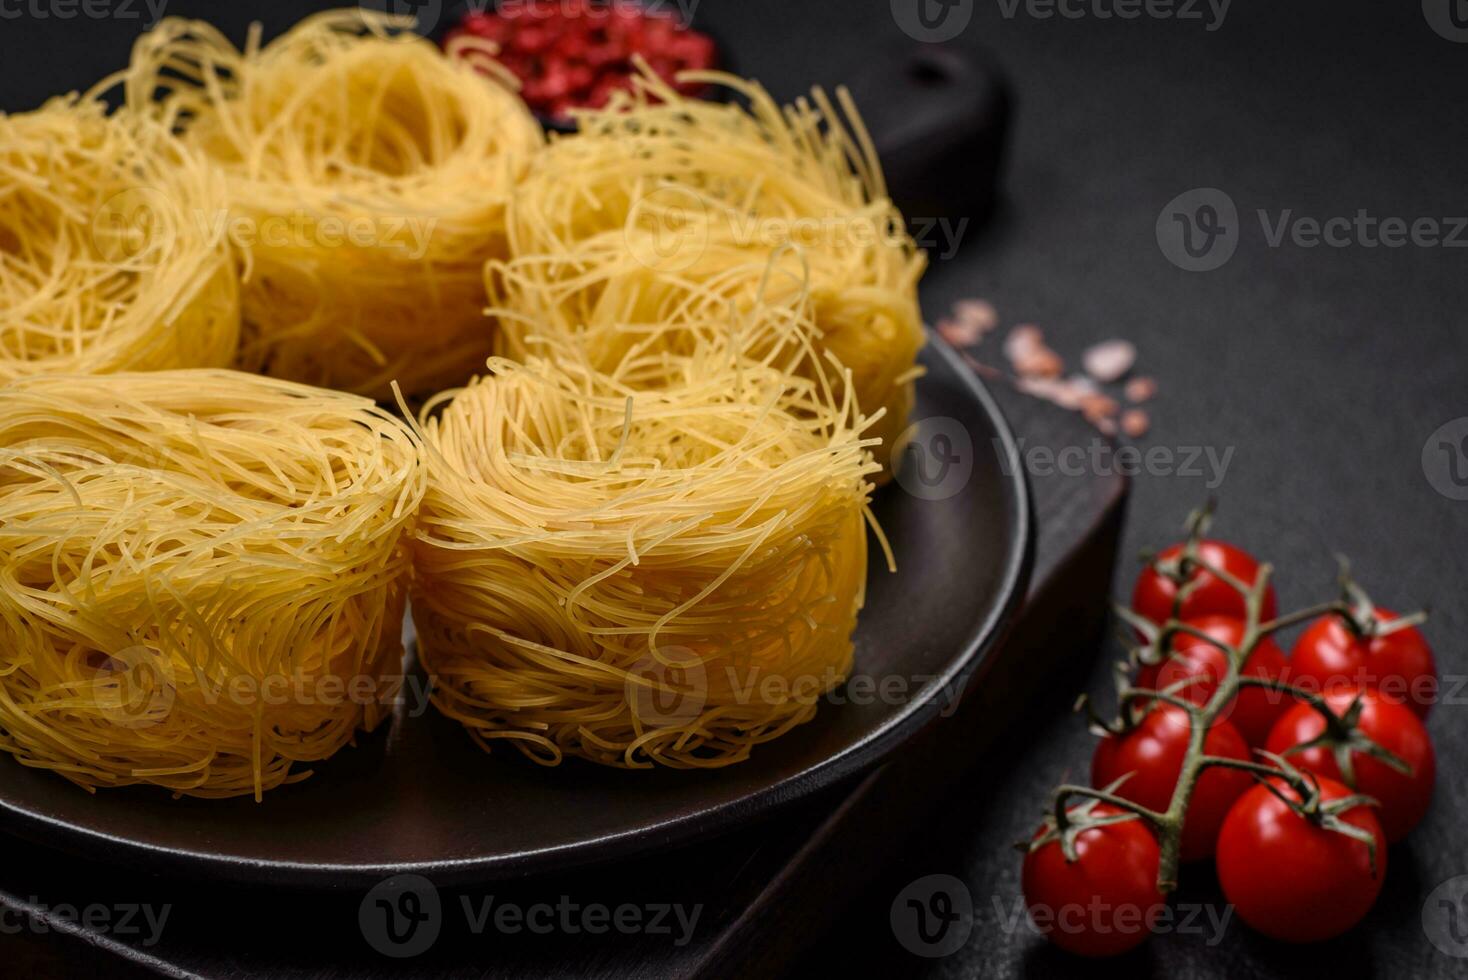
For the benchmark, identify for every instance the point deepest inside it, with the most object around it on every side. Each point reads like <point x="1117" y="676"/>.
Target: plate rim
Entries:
<point x="759" y="803"/>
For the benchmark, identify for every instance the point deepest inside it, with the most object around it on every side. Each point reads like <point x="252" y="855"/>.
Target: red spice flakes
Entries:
<point x="1135" y="423"/>
<point x="574" y="53"/>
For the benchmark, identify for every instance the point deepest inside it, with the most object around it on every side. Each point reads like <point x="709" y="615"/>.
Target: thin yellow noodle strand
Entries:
<point x="202" y="576"/>
<point x="665" y="573"/>
<point x="102" y="268"/>
<point x="368" y="177"/>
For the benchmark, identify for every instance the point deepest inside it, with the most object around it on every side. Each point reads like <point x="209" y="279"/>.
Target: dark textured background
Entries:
<point x="1324" y="370"/>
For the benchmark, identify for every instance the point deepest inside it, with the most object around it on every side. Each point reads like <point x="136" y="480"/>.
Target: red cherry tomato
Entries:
<point x="1154" y="752"/>
<point x="1154" y="594"/>
<point x="1329" y="656"/>
<point x="1255" y="710"/>
<point x="1106" y="901"/>
<point x="1404" y="799"/>
<point x="1292" y="879"/>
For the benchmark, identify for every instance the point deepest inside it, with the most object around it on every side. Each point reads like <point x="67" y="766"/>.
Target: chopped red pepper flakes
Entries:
<point x="569" y="54"/>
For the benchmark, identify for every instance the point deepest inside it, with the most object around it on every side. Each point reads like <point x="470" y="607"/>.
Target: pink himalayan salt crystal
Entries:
<point x="1135" y="423"/>
<point x="1026" y="350"/>
<point x="1042" y="363"/>
<point x="1076" y="388"/>
<point x="976" y="314"/>
<point x="1047" y="388"/>
<point x="958" y="333"/>
<point x="1098" y="406"/>
<point x="1023" y="339"/>
<point x="1068" y="393"/>
<point x="1140" y="389"/>
<point x="1109" y="360"/>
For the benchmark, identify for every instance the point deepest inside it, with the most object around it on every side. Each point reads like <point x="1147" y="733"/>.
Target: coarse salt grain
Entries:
<point x="1098" y="406"/>
<point x="1022" y="340"/>
<point x="1135" y="423"/>
<point x="959" y="333"/>
<point x="1040" y="363"/>
<point x="1140" y="389"/>
<point x="1038" y="368"/>
<point x="1072" y="391"/>
<point x="1109" y="360"/>
<point x="977" y="314"/>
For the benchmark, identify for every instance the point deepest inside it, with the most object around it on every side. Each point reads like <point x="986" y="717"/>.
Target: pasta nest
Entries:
<point x="660" y="201"/>
<point x="103" y="264"/>
<point x="658" y="565"/>
<point x="368" y="175"/>
<point x="201" y="576"/>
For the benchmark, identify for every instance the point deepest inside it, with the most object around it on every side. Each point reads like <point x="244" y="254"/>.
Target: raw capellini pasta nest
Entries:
<point x="201" y="576"/>
<point x="661" y="564"/>
<point x="368" y="176"/>
<point x="101" y="267"/>
<point x="660" y="200"/>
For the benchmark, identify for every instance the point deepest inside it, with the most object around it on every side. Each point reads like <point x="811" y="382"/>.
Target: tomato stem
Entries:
<point x="1353" y="606"/>
<point x="1302" y="615"/>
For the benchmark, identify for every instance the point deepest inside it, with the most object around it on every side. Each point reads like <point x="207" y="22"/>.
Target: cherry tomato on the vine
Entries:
<point x="1106" y="901"/>
<point x="1330" y="656"/>
<point x="1291" y="878"/>
<point x="1403" y="798"/>
<point x="1153" y="752"/>
<point x="1154" y="593"/>
<point x="1255" y="710"/>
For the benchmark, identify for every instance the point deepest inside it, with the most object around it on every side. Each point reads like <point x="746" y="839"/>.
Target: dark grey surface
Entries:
<point x="1324" y="369"/>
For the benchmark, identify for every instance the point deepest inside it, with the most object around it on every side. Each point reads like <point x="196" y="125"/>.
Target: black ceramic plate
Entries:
<point x="419" y="796"/>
